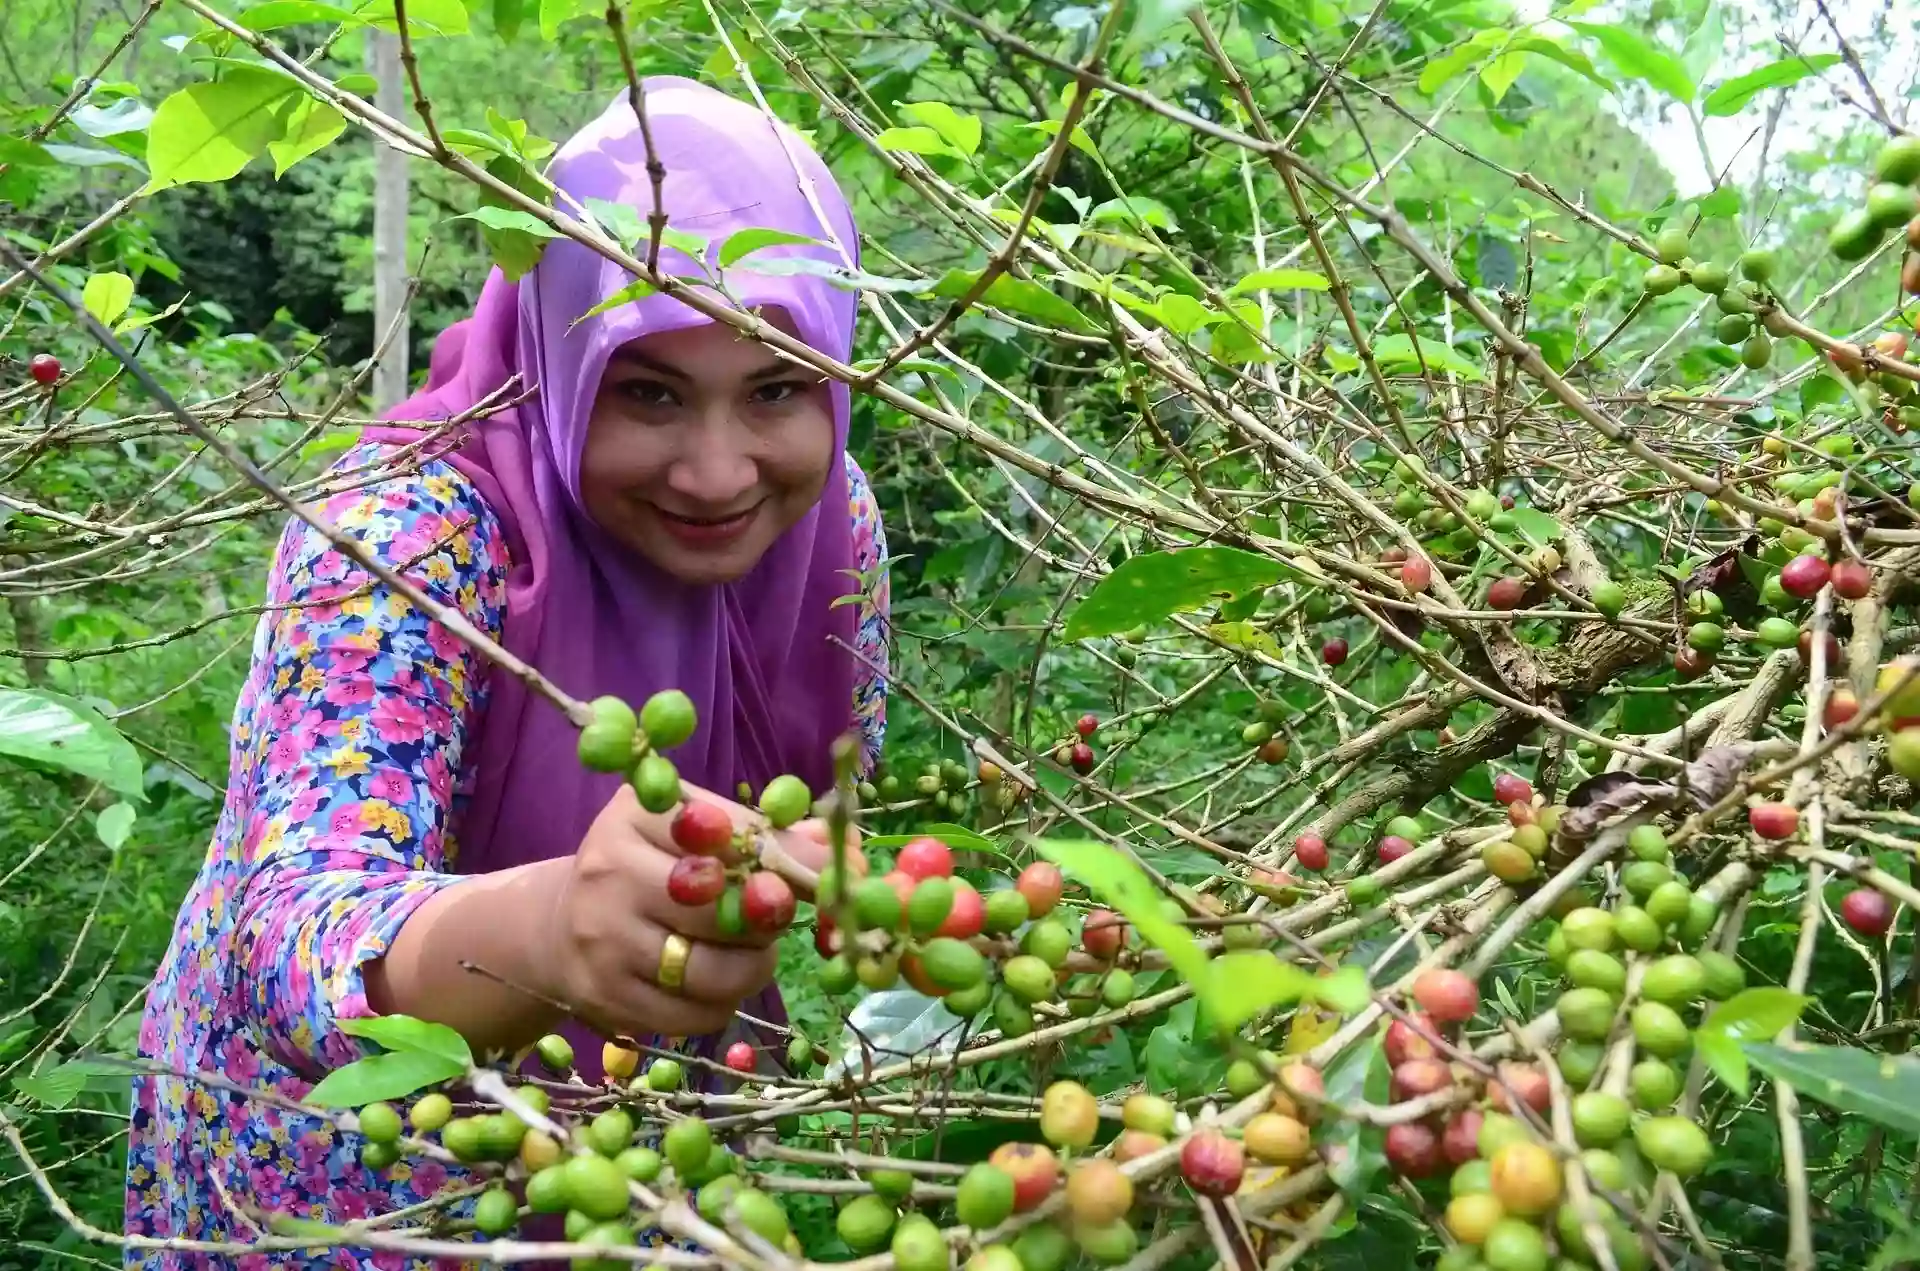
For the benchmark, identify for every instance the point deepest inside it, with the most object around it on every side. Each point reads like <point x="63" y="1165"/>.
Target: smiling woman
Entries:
<point x="671" y="507"/>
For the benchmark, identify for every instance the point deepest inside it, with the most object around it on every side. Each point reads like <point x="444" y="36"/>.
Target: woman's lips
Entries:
<point x="707" y="531"/>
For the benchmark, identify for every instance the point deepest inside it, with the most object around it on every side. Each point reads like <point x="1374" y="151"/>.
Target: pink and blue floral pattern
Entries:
<point x="349" y="749"/>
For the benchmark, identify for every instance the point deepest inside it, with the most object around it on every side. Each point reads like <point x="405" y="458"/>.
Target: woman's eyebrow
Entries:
<point x="640" y="359"/>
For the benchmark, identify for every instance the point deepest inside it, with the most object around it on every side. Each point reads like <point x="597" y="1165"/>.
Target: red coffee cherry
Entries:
<point x="696" y="880"/>
<point x="704" y="829"/>
<point x="766" y="901"/>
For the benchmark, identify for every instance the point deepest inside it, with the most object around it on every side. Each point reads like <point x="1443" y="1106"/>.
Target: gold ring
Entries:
<point x="673" y="961"/>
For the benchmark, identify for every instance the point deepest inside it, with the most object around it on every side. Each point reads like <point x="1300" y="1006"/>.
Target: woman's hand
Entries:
<point x="612" y="917"/>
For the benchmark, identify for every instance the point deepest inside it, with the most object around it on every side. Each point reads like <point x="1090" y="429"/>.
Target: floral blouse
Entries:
<point x="355" y="717"/>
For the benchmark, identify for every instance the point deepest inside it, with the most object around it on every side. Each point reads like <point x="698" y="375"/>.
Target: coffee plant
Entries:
<point x="1406" y="723"/>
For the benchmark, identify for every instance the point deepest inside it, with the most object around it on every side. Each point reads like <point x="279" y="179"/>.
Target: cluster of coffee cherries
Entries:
<point x="1261" y="735"/>
<point x="1076" y="752"/>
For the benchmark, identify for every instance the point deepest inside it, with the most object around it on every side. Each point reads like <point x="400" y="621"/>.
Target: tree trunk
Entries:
<point x="389" y="224"/>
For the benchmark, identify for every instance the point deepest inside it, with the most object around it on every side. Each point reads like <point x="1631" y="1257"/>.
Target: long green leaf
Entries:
<point x="1638" y="57"/>
<point x="1729" y="98"/>
<point x="1152" y="585"/>
<point x="1118" y="882"/>
<point x="106" y="296"/>
<point x="380" y="1077"/>
<point x="208" y="132"/>
<point x="61" y="732"/>
<point x="1882" y="1088"/>
<point x="1749" y="1015"/>
<point x="404" y="1034"/>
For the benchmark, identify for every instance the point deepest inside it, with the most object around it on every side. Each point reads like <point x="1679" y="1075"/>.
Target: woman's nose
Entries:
<point x="716" y="465"/>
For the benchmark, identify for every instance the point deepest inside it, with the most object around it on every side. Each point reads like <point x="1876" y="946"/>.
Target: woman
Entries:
<point x="673" y="508"/>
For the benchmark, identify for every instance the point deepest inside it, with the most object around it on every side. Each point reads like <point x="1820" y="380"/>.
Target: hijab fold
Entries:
<point x="771" y="690"/>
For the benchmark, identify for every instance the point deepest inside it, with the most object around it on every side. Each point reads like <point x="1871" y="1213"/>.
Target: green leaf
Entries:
<point x="836" y="275"/>
<point x="1499" y="74"/>
<point x="139" y="320"/>
<point x="308" y="125"/>
<point x="113" y="825"/>
<point x="208" y="132"/>
<point x="1150" y="586"/>
<point x="1638" y="57"/>
<point x="1723" y="202"/>
<point x="1182" y="314"/>
<point x="1452" y="63"/>
<point x="958" y="837"/>
<point x="1572" y="59"/>
<point x="1535" y="526"/>
<point x="1280" y="280"/>
<point x="380" y="1077"/>
<point x="106" y="296"/>
<point x="1356" y="1150"/>
<point x="1345" y="991"/>
<point x="916" y="140"/>
<point x="1079" y="140"/>
<point x="508" y="218"/>
<point x="424" y="17"/>
<point x="1731" y="96"/>
<point x="1135" y="209"/>
<point x="1398" y="351"/>
<point x="62" y="732"/>
<point x="960" y="131"/>
<point x="404" y="1034"/>
<point x="747" y="241"/>
<point x="1246" y="983"/>
<point x="1118" y="882"/>
<point x="58" y="1086"/>
<point x="1014" y="295"/>
<point x="1247" y="637"/>
<point x="554" y="12"/>
<point x="1749" y="1015"/>
<point x="1882" y="1088"/>
<point x="1151" y="17"/>
<point x="281" y="13"/>
<point x="638" y="289"/>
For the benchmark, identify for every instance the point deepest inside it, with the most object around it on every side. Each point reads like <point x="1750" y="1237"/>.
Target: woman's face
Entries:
<point x="704" y="448"/>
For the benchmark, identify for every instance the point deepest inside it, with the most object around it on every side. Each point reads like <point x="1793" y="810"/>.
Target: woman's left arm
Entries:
<point x="874" y="615"/>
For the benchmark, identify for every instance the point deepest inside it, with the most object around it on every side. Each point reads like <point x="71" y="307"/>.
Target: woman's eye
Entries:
<point x="649" y="393"/>
<point x="777" y="392"/>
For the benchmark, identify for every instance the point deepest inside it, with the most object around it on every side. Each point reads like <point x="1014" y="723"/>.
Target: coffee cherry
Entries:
<point x="1419" y="1077"/>
<point x="664" y="1075"/>
<point x="1098" y="1193"/>
<point x="1080" y="758"/>
<point x="1460" y="1141"/>
<point x="1392" y="848"/>
<point x="1103" y="934"/>
<point x="1310" y="852"/>
<point x="696" y="880"/>
<point x="1804" y="576"/>
<point x="865" y="1223"/>
<point x="704" y="829"/>
<point x="968" y="915"/>
<point x="1506" y="593"/>
<point x="917" y="1245"/>
<point x="767" y="901"/>
<point x="1272" y="751"/>
<point x="1131" y="1145"/>
<point x="668" y="718"/>
<point x="1415" y="1037"/>
<point x="1774" y="820"/>
<point x="1868" y="912"/>
<point x="1831" y="645"/>
<point x="1851" y="579"/>
<point x="740" y="1057"/>
<point x="1041" y="883"/>
<point x="1673" y="1143"/>
<point x="44" y="367"/>
<point x="617" y="1061"/>
<point x="1277" y="1140"/>
<point x="1212" y="1164"/>
<point x="1510" y="788"/>
<point x="1069" y="1114"/>
<point x="1526" y="1178"/>
<point x="1087" y="724"/>
<point x="1413" y="1150"/>
<point x="1691" y="664"/>
<point x="1449" y="996"/>
<point x="1334" y="652"/>
<point x="1471" y="1218"/>
<point x="1524" y="1082"/>
<point x="785" y="800"/>
<point x="985" y="1197"/>
<point x="1033" y="1169"/>
<point x="1416" y="574"/>
<point x="925" y="857"/>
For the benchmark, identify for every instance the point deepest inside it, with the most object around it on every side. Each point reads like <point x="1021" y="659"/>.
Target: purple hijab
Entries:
<point x="771" y="690"/>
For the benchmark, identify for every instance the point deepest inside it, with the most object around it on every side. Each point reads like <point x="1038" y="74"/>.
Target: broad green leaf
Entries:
<point x="1749" y="1015"/>
<point x="1397" y="351"/>
<point x="1150" y="586"/>
<point x="508" y="16"/>
<point x="58" y="1086"/>
<point x="1345" y="990"/>
<point x="1079" y="140"/>
<point x="337" y="441"/>
<point x="1356" y="1150"/>
<point x="1132" y="209"/>
<point x="1452" y="63"/>
<point x="1730" y="97"/>
<point x="747" y="241"/>
<point x="1572" y="59"/>
<point x="1151" y="17"/>
<point x="959" y="131"/>
<point x="1638" y="57"/>
<point x="107" y="296"/>
<point x="638" y="289"/>
<point x="424" y="17"/>
<point x="958" y="837"/>
<point x="1280" y="280"/>
<point x="309" y="124"/>
<point x="1015" y="295"/>
<point x="1723" y="202"/>
<point x="508" y="218"/>
<point x="61" y="732"/>
<point x="113" y="825"/>
<point x="1119" y="883"/>
<point x="1183" y="315"/>
<point x="1535" y="526"/>
<point x="836" y="275"/>
<point x="139" y="320"/>
<point x="1246" y="983"/>
<point x="916" y="140"/>
<point x="380" y="1077"/>
<point x="208" y="132"/>
<point x="403" y="1034"/>
<point x="1244" y="635"/>
<point x="1882" y="1088"/>
<point x="1499" y="74"/>
<point x="554" y="12"/>
<point x="281" y="13"/>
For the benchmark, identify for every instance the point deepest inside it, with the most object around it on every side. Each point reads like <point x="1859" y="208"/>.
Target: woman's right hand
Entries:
<point x="611" y="920"/>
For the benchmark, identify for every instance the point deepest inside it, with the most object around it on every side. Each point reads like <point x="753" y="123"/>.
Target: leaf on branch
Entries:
<point x="1135" y="209"/>
<point x="1883" y="1088"/>
<point x="1245" y="637"/>
<point x="835" y="275"/>
<point x="1400" y="351"/>
<point x="1250" y="982"/>
<point x="960" y="131"/>
<point x="107" y="296"/>
<point x="1014" y="295"/>
<point x="1280" y="280"/>
<point x="1638" y="57"/>
<point x="208" y="132"/>
<point x="283" y="13"/>
<point x="424" y="17"/>
<point x="382" y="1077"/>
<point x="1355" y="1149"/>
<point x="958" y="837"/>
<point x="917" y="140"/>
<point x="404" y="1034"/>
<point x="1153" y="585"/>
<point x="638" y="289"/>
<point x="1079" y="140"/>
<point x="745" y="242"/>
<point x="62" y="732"/>
<point x="1536" y="526"/>
<point x="1730" y="97"/>
<point x="308" y="125"/>
<point x="1750" y="1015"/>
<point x="113" y="825"/>
<point x="1118" y="882"/>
